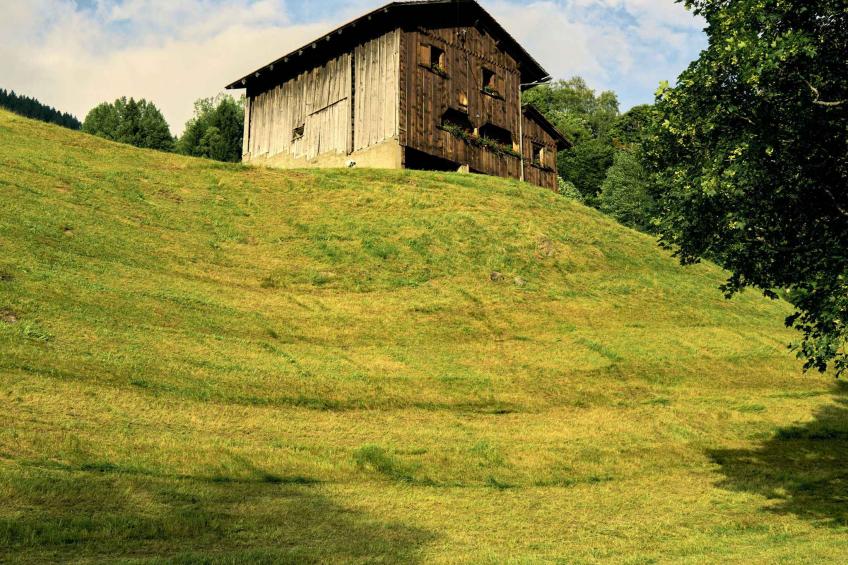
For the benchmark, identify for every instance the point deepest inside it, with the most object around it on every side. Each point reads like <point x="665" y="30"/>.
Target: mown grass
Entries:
<point x="212" y="363"/>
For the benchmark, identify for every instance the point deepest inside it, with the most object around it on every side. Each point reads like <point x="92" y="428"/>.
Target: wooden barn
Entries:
<point x="426" y="84"/>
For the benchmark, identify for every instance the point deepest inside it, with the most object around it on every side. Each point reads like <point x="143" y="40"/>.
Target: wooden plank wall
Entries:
<point x="318" y="100"/>
<point x="245" y="148"/>
<point x="546" y="174"/>
<point x="375" y="114"/>
<point x="426" y="96"/>
<point x="382" y="90"/>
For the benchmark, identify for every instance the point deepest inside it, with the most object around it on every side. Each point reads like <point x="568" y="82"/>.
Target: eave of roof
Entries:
<point x="531" y="70"/>
<point x="533" y="113"/>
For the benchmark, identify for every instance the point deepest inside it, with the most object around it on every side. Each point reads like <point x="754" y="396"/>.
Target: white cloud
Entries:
<point x="173" y="52"/>
<point x="550" y="35"/>
<point x="622" y="45"/>
<point x="168" y="52"/>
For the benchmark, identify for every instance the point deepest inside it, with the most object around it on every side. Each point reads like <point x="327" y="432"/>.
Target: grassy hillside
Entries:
<point x="206" y="362"/>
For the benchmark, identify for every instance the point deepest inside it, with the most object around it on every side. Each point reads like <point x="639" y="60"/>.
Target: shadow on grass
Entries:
<point x="803" y="470"/>
<point x="101" y="513"/>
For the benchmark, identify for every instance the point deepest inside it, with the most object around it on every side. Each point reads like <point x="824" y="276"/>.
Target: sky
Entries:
<point x="74" y="54"/>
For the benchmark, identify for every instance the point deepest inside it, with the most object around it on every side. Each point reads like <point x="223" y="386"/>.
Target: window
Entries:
<point x="433" y="58"/>
<point x="496" y="133"/>
<point x="437" y="57"/>
<point x="490" y="83"/>
<point x="457" y="122"/>
<point x="538" y="154"/>
<point x="297" y="133"/>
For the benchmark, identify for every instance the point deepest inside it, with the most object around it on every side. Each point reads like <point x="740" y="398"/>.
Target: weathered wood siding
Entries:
<point x="544" y="173"/>
<point x="348" y="104"/>
<point x="376" y="81"/>
<point x="317" y="101"/>
<point x="426" y="96"/>
<point x="386" y="88"/>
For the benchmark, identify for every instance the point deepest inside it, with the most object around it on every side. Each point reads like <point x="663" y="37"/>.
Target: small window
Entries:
<point x="437" y="58"/>
<point x="490" y="83"/>
<point x="297" y="133"/>
<point x="538" y="154"/>
<point x="433" y="58"/>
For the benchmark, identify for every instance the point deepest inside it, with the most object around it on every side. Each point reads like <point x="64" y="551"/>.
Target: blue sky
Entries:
<point x="74" y="54"/>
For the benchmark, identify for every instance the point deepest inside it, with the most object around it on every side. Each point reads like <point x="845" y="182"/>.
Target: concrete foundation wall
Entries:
<point x="385" y="155"/>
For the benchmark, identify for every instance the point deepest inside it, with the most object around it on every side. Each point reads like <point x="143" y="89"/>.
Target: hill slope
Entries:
<point x="201" y="361"/>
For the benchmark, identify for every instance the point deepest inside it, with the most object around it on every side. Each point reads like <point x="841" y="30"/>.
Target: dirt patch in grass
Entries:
<point x="8" y="316"/>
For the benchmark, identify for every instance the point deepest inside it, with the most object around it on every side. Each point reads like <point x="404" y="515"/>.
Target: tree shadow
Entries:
<point x="802" y="470"/>
<point x="103" y="512"/>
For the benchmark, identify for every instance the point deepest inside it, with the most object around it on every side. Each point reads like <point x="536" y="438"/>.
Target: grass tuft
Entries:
<point x="376" y="459"/>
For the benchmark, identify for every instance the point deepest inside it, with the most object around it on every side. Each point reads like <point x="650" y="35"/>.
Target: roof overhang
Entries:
<point x="534" y="114"/>
<point x="391" y="16"/>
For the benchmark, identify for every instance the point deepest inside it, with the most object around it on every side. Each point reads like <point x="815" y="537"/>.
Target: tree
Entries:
<point x="586" y="166"/>
<point x="574" y="108"/>
<point x="103" y="120"/>
<point x="138" y="123"/>
<point x="154" y="132"/>
<point x="625" y="194"/>
<point x="631" y="128"/>
<point x="750" y="160"/>
<point x="215" y="131"/>
<point x="129" y="124"/>
<point x="585" y="118"/>
<point x="32" y="108"/>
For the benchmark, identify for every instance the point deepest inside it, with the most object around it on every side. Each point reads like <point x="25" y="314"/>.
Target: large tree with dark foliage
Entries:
<point x="215" y="131"/>
<point x="750" y="155"/>
<point x="585" y="117"/>
<point x="32" y="108"/>
<point x="136" y="122"/>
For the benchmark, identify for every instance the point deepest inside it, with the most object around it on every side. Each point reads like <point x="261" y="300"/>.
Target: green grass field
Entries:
<point x="212" y="363"/>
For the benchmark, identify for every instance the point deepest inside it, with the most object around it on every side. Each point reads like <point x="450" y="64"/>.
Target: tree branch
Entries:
<point x="821" y="102"/>
<point x="839" y="208"/>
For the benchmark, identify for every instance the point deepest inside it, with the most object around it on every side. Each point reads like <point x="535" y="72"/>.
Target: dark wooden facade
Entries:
<point x="449" y="90"/>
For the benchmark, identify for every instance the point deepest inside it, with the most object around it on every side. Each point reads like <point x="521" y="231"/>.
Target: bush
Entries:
<point x="568" y="190"/>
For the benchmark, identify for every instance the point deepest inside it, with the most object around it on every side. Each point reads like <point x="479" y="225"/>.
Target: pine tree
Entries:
<point x="32" y="108"/>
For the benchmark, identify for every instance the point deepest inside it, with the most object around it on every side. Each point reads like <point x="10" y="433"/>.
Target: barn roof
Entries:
<point x="461" y="12"/>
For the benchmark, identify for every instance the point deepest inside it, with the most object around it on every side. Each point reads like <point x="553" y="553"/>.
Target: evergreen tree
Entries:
<point x="32" y="108"/>
<point x="129" y="124"/>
